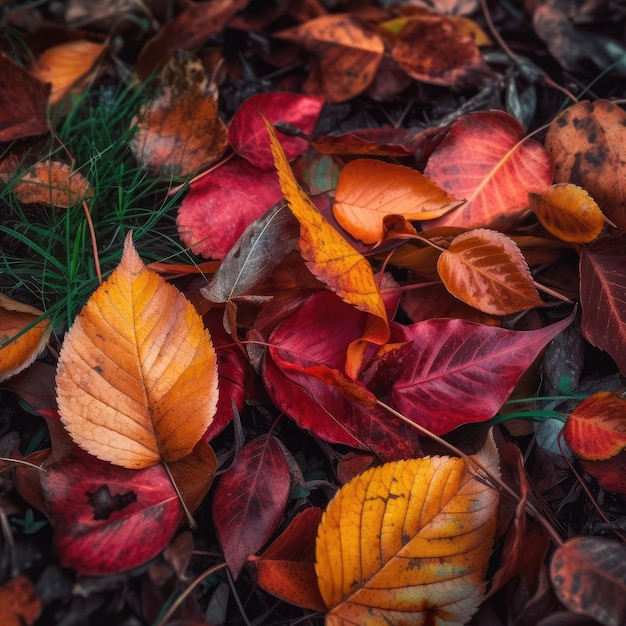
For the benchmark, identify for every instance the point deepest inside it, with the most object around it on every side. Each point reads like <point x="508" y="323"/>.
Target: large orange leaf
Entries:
<point x="137" y="374"/>
<point x="368" y="190"/>
<point x="596" y="428"/>
<point x="18" y="354"/>
<point x="483" y="160"/>
<point x="568" y="212"/>
<point x="408" y="543"/>
<point x="332" y="259"/>
<point x="486" y="270"/>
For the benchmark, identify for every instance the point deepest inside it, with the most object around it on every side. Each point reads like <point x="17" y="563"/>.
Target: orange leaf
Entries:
<point x="408" y="543"/>
<point x="486" y="270"/>
<point x="137" y="374"/>
<point x="596" y="428"/>
<point x="54" y="184"/>
<point x="20" y="604"/>
<point x="568" y="212"/>
<point x="348" y="54"/>
<point x="180" y="130"/>
<point x="332" y="260"/>
<point x="368" y="190"/>
<point x="68" y="67"/>
<point x="17" y="354"/>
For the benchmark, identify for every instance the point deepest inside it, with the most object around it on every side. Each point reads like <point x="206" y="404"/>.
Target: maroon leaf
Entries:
<point x="453" y="372"/>
<point x="603" y="296"/>
<point x="107" y="518"/>
<point x="247" y="133"/>
<point x="250" y="500"/>
<point x="221" y="205"/>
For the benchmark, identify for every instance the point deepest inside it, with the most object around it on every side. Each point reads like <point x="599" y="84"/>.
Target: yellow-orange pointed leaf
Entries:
<point x="568" y="212"/>
<point x="408" y="543"/>
<point x="137" y="374"/>
<point x="331" y="259"/>
<point x="486" y="270"/>
<point x="368" y="190"/>
<point x="18" y="354"/>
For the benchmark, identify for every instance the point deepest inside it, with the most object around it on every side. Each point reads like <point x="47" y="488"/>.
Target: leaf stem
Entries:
<point x="190" y="520"/>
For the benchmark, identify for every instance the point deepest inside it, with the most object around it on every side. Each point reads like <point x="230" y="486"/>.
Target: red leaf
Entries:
<point x="603" y="296"/>
<point x="318" y="334"/>
<point x="221" y="205"/>
<point x="107" y="518"/>
<point x="286" y="569"/>
<point x="453" y="372"/>
<point x="481" y="160"/>
<point x="247" y="133"/>
<point x="250" y="500"/>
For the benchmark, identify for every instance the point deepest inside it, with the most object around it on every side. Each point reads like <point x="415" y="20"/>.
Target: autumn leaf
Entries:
<point x="368" y="190"/>
<point x="333" y="260"/>
<point x="20" y="604"/>
<point x="17" y="354"/>
<point x="180" y="131"/>
<point x="486" y="270"/>
<point x="408" y="542"/>
<point x="484" y="161"/>
<point x="137" y="378"/>
<point x="568" y="212"/>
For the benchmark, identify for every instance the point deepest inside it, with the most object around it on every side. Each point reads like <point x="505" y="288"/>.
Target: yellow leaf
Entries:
<point x="568" y="212"/>
<point x="332" y="260"/>
<point x="137" y="373"/>
<point x="408" y="543"/>
<point x="17" y="354"/>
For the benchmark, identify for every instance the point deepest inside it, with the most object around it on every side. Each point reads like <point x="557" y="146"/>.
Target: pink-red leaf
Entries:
<point x="250" y="500"/>
<point x="603" y="296"/>
<point x="483" y="161"/>
<point x="247" y="133"/>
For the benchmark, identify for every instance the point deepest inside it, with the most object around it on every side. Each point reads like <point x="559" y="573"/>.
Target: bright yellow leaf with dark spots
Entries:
<point x="137" y="374"/>
<point x="332" y="260"/>
<point x="408" y="543"/>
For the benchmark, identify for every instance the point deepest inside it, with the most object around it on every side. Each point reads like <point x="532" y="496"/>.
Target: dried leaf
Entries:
<point x="368" y="190"/>
<point x="408" y="542"/>
<point x="20" y="604"/>
<point x="483" y="160"/>
<point x="486" y="270"/>
<point x="17" y="354"/>
<point x="568" y="212"/>
<point x="137" y="374"/>
<point x="180" y="130"/>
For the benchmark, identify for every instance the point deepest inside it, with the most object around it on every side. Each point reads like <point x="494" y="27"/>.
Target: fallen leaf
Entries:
<point x="431" y="49"/>
<point x="17" y="354"/>
<point x="20" y="604"/>
<point x="596" y="429"/>
<point x="368" y="190"/>
<point x="250" y="500"/>
<point x="610" y="473"/>
<point x="52" y="183"/>
<point x="408" y="542"/>
<point x="137" y="374"/>
<point x="568" y="212"/>
<point x="484" y="160"/>
<point x="23" y="102"/>
<point x="221" y="205"/>
<point x="333" y="260"/>
<point x="247" y="134"/>
<point x="603" y="296"/>
<point x="347" y="54"/>
<point x="68" y="67"/>
<point x="588" y="577"/>
<point x="486" y="270"/>
<point x="286" y="569"/>
<point x="587" y="143"/>
<point x="180" y="131"/>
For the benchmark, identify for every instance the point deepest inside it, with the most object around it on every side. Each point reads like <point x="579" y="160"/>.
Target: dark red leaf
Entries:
<point x="250" y="500"/>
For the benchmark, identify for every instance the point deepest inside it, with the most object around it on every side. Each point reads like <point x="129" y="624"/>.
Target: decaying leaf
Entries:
<point x="180" y="130"/>
<point x="137" y="374"/>
<point x="17" y="354"/>
<point x="408" y="542"/>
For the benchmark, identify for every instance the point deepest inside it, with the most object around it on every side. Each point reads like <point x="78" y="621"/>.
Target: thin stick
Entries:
<point x="190" y="520"/>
